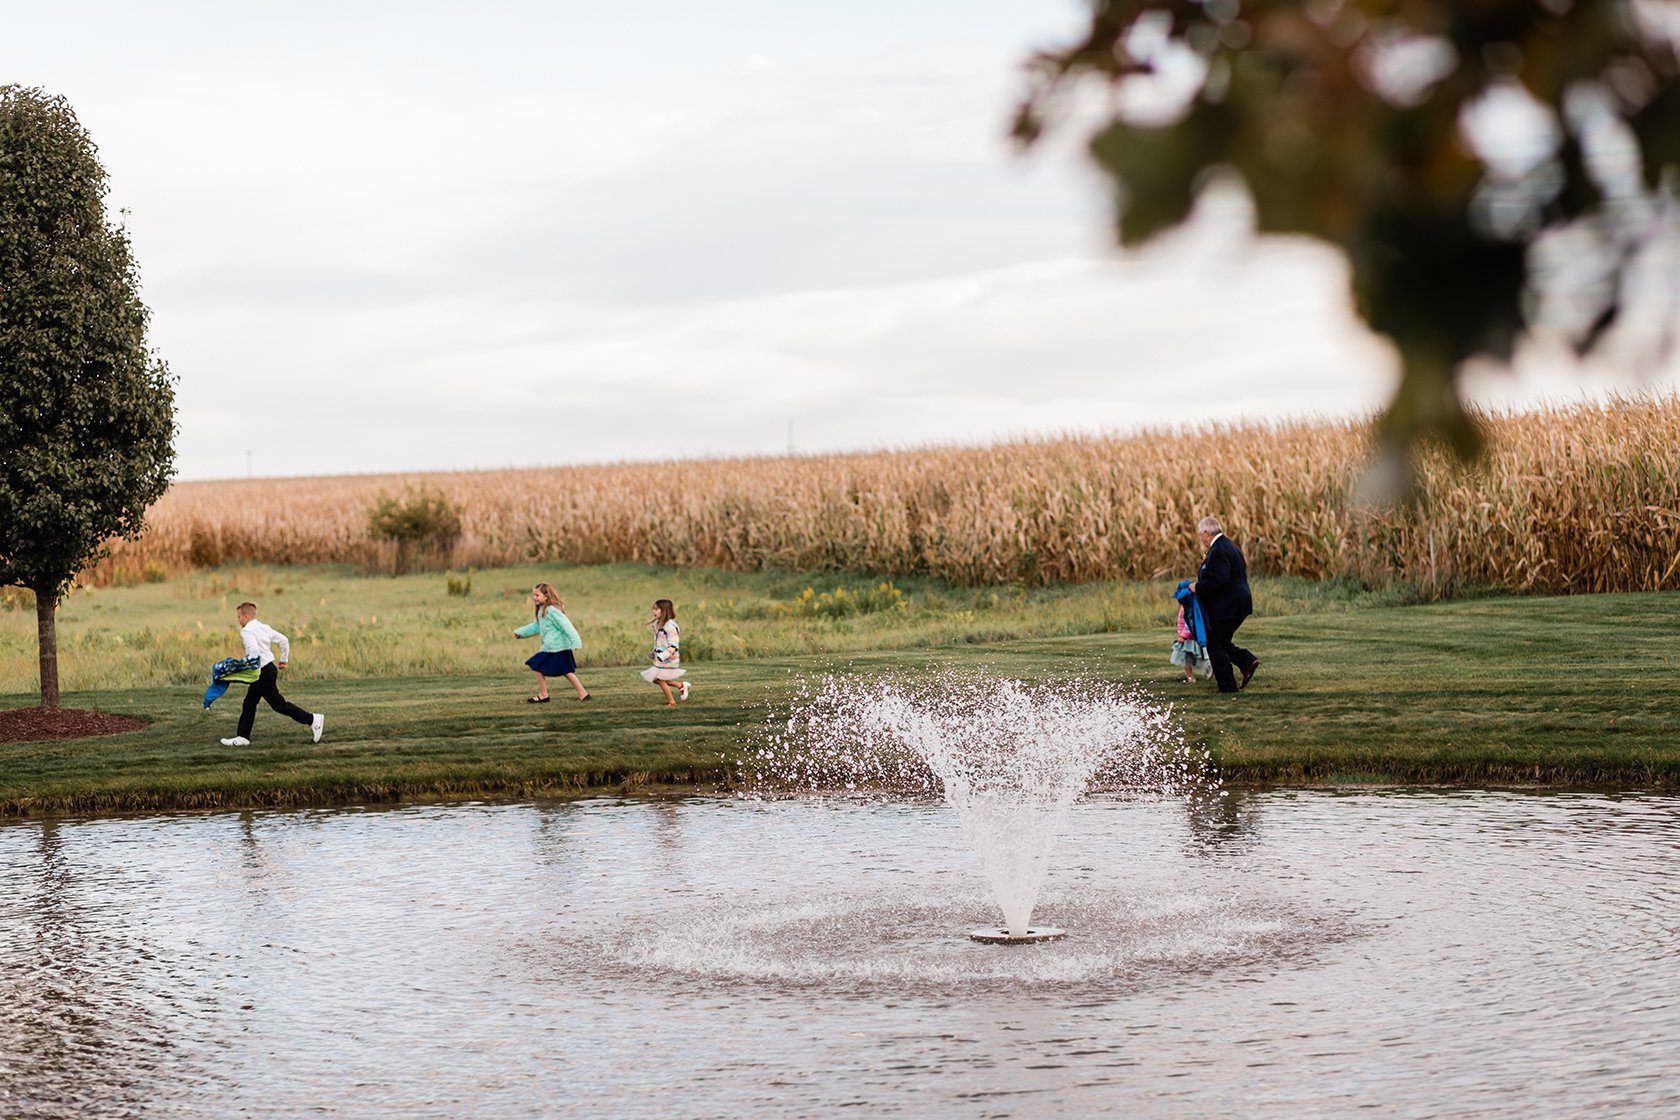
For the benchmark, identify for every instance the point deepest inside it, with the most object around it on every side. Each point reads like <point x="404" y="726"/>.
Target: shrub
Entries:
<point x="424" y="524"/>
<point x="204" y="546"/>
<point x="841" y="603"/>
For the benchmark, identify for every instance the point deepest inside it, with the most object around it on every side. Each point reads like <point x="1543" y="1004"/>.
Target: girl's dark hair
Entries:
<point x="666" y="612"/>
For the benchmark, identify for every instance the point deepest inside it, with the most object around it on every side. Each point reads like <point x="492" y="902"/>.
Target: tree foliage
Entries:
<point x="1486" y="166"/>
<point x="423" y="520"/>
<point x="87" y="412"/>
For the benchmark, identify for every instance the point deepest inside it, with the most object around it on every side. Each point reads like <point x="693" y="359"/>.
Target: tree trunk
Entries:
<point x="46" y="633"/>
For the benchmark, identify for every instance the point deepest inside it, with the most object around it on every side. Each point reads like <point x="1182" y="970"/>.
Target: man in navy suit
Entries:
<point x="1222" y="589"/>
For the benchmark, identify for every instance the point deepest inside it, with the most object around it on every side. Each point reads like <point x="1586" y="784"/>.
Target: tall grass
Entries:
<point x="1576" y="499"/>
<point x="346" y="625"/>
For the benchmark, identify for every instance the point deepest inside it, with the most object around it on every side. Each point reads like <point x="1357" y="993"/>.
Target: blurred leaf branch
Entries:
<point x="1487" y="167"/>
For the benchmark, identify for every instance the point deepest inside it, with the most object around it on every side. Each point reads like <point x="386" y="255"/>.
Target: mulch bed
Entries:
<point x="29" y="725"/>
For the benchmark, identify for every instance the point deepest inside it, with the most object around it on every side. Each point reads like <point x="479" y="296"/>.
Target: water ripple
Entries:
<point x="1268" y="954"/>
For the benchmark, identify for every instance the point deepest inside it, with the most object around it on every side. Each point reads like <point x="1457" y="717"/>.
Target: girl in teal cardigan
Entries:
<point x="559" y="639"/>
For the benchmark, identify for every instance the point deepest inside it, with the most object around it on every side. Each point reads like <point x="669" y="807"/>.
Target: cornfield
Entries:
<point x="1579" y="499"/>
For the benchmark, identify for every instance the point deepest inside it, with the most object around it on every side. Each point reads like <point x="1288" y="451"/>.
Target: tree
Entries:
<point x="87" y="412"/>
<point x="1366" y="124"/>
<point x="424" y="520"/>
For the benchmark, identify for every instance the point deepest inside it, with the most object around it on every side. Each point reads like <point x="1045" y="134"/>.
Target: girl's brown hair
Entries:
<point x="666" y="612"/>
<point x="548" y="599"/>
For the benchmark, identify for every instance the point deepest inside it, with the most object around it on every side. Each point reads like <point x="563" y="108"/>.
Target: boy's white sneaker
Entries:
<point x="236" y="741"/>
<point x="316" y="724"/>
<point x="682" y="692"/>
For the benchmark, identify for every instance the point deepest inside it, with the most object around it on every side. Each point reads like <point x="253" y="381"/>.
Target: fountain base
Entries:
<point x="999" y="936"/>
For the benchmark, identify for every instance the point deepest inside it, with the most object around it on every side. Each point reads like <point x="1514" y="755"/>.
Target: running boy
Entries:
<point x="260" y="639"/>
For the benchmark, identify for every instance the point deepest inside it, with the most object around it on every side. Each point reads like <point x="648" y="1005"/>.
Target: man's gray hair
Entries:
<point x="1208" y="524"/>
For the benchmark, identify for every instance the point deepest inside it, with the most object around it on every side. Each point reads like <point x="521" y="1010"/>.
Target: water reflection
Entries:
<point x="84" y="1031"/>
<point x="1415" y="954"/>
<point x="1222" y="818"/>
<point x="249" y="842"/>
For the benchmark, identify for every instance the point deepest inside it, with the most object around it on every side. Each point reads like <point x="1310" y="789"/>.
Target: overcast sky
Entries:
<point x="421" y="236"/>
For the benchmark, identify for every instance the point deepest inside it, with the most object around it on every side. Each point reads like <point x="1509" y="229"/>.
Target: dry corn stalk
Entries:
<point x="1579" y="499"/>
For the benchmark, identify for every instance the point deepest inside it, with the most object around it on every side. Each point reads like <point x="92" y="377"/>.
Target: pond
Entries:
<point x="1261" y="954"/>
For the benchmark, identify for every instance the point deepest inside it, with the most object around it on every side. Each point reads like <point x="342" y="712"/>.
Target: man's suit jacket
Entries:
<point x="1222" y="584"/>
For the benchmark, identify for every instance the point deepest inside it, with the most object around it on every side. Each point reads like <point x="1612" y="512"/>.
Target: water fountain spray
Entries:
<point x="1008" y="757"/>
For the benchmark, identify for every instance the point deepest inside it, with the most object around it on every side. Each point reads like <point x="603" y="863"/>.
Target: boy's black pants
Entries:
<point x="266" y="687"/>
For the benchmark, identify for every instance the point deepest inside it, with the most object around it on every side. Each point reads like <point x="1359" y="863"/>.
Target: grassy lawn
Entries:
<point x="346" y="625"/>
<point x="1563" y="691"/>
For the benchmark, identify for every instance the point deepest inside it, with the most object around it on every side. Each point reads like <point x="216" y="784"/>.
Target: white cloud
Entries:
<point x="519" y="233"/>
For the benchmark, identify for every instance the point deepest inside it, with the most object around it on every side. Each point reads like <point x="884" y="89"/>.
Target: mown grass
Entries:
<point x="1579" y="690"/>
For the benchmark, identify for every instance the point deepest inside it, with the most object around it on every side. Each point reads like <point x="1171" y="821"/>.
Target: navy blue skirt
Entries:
<point x="555" y="664"/>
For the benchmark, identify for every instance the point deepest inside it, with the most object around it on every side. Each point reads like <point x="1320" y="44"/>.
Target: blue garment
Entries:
<point x="557" y="630"/>
<point x="230" y="670"/>
<point x="553" y="662"/>
<point x="1192" y="611"/>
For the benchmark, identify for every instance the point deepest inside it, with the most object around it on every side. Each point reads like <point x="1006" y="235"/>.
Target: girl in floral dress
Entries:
<point x="667" y="653"/>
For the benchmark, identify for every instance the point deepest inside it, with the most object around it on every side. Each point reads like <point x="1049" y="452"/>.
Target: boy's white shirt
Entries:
<point x="258" y="637"/>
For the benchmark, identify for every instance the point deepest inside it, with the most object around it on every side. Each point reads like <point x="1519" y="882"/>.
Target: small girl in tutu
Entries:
<point x="667" y="653"/>
<point x="559" y="639"/>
